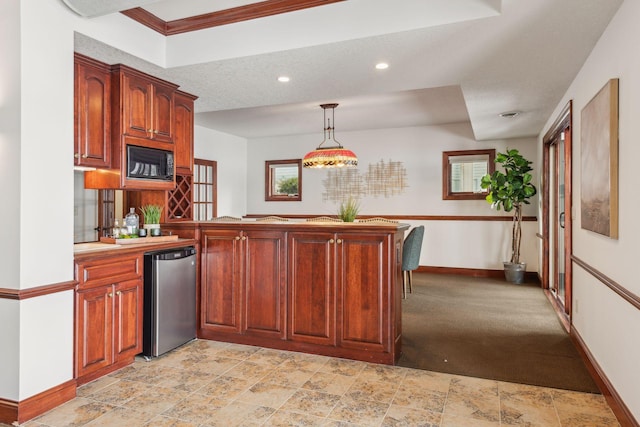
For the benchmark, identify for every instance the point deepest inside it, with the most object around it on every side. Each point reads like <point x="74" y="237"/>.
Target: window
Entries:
<point x="283" y="180"/>
<point x="462" y="172"/>
<point x="204" y="189"/>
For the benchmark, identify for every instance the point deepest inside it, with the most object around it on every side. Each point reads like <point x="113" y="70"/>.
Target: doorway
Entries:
<point x="557" y="218"/>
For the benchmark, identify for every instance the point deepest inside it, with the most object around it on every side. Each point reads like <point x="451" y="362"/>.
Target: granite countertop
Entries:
<point x="102" y="248"/>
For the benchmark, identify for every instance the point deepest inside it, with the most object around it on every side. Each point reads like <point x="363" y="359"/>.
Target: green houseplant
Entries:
<point x="151" y="214"/>
<point x="348" y="210"/>
<point x="509" y="190"/>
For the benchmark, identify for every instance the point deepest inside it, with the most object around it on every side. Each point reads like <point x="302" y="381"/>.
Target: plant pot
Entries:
<point x="153" y="230"/>
<point x="514" y="273"/>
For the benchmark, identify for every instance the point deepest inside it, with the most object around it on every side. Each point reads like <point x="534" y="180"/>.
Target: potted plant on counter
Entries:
<point x="509" y="191"/>
<point x="151" y="214"/>
<point x="348" y="210"/>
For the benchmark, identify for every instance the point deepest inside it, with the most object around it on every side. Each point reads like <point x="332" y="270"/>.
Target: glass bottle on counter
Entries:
<point x="132" y="222"/>
<point x="115" y="231"/>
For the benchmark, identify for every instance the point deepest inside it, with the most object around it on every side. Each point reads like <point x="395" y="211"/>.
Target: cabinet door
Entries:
<point x="312" y="287"/>
<point x="127" y="324"/>
<point x="363" y="283"/>
<point x="221" y="277"/>
<point x="92" y="115"/>
<point x="264" y="284"/>
<point x="94" y="326"/>
<point x="137" y="104"/>
<point x="183" y="133"/>
<point x="162" y="113"/>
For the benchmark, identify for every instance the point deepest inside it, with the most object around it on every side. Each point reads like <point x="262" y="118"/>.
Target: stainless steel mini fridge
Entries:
<point x="169" y="300"/>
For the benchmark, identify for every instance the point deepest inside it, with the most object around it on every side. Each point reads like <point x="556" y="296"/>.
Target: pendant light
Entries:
<point x="330" y="157"/>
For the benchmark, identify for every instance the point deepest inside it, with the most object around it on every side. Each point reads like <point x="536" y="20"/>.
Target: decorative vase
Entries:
<point x="514" y="273"/>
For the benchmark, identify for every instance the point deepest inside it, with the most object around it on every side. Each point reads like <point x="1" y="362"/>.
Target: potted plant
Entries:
<point x="509" y="191"/>
<point x="348" y="210"/>
<point x="151" y="214"/>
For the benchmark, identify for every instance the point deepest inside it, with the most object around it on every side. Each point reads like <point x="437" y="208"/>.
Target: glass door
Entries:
<point x="556" y="215"/>
<point x="557" y="284"/>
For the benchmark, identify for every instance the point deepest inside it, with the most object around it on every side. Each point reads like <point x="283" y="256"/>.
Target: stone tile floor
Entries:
<point x="209" y="383"/>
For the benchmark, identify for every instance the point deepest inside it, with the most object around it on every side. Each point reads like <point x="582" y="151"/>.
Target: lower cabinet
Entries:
<point x="243" y="283"/>
<point x="339" y="290"/>
<point x="108" y="315"/>
<point x="307" y="288"/>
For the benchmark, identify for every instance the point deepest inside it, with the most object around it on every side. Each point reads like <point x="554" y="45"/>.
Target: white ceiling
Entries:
<point x="449" y="61"/>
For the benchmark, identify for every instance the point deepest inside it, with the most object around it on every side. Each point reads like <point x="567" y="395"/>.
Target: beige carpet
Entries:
<point x="490" y="329"/>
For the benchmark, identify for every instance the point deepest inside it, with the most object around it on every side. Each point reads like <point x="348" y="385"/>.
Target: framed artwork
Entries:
<point x="599" y="162"/>
<point x="283" y="180"/>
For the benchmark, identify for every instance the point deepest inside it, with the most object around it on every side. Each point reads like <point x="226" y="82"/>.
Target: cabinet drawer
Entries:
<point x="106" y="271"/>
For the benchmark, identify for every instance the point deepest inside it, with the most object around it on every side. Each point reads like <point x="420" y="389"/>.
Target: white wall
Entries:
<point x="459" y="243"/>
<point x="609" y="325"/>
<point x="231" y="153"/>
<point x="10" y="177"/>
<point x="36" y="168"/>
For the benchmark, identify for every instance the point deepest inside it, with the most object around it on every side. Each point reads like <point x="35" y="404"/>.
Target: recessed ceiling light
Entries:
<point x="510" y="114"/>
<point x="283" y="79"/>
<point x="382" y="66"/>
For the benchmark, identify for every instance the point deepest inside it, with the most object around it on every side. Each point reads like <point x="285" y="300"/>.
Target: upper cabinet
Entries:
<point x="183" y="132"/>
<point x="92" y="118"/>
<point x="143" y="105"/>
<point x="120" y="111"/>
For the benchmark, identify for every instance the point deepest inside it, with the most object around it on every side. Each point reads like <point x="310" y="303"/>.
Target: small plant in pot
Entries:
<point x="151" y="214"/>
<point x="510" y="190"/>
<point x="348" y="210"/>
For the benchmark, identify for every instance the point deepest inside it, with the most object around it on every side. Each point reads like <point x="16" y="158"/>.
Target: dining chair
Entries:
<point x="411" y="256"/>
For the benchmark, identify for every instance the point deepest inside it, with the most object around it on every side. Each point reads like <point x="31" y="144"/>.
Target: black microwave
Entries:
<point x="149" y="163"/>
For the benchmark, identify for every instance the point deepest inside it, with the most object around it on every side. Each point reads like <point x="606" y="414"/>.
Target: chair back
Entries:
<point x="411" y="249"/>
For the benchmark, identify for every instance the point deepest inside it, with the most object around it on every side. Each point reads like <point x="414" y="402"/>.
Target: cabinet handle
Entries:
<point x="339" y="241"/>
<point x="150" y="130"/>
<point x="84" y="156"/>
<point x="155" y="131"/>
<point x="119" y="293"/>
<point x="244" y="238"/>
<point x="76" y="155"/>
<point x="110" y="294"/>
<point x="331" y="241"/>
<point x="237" y="237"/>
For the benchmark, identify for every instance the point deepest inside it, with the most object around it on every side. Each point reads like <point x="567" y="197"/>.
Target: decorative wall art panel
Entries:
<point x="381" y="179"/>
<point x="599" y="162"/>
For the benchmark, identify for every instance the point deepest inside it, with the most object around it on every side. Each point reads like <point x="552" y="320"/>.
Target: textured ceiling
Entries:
<point x="461" y="61"/>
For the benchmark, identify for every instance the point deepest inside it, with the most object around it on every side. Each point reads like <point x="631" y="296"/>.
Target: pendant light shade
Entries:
<point x="330" y="157"/>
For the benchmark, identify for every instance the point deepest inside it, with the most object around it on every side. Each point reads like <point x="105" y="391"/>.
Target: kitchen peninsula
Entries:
<point x="319" y="287"/>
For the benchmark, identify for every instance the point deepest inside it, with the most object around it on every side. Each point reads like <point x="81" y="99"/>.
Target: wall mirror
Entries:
<point x="462" y="172"/>
<point x="283" y="180"/>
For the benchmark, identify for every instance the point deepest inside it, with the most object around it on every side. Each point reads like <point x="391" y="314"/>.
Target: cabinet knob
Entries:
<point x="155" y="131"/>
<point x="76" y="155"/>
<point x="150" y="130"/>
<point x="244" y="238"/>
<point x="119" y="293"/>
<point x="110" y="294"/>
<point x="339" y="241"/>
<point x="237" y="237"/>
<point x="84" y="156"/>
<point x="331" y="241"/>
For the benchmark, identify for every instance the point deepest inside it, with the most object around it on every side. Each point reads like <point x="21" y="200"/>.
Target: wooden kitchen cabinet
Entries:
<point x="144" y="105"/>
<point x="92" y="112"/>
<point x="351" y="265"/>
<point x="322" y="288"/>
<point x="243" y="283"/>
<point x="183" y="132"/>
<point x="108" y="315"/>
<point x="312" y="308"/>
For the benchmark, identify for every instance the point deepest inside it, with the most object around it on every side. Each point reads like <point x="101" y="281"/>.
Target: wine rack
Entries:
<point x="179" y="206"/>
